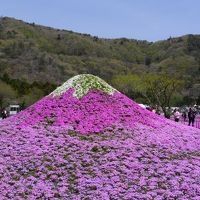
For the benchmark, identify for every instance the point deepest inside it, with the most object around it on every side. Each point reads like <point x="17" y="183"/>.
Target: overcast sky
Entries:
<point x="150" y="20"/>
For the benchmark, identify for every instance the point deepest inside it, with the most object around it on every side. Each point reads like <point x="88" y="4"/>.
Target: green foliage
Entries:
<point x="23" y="92"/>
<point x="156" y="90"/>
<point x="193" y="43"/>
<point x="129" y="84"/>
<point x="147" y="61"/>
<point x="198" y="100"/>
<point x="95" y="149"/>
<point x="41" y="57"/>
<point x="7" y="94"/>
<point x="159" y="89"/>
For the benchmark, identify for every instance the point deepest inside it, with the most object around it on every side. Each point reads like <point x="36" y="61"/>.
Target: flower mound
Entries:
<point x="86" y="140"/>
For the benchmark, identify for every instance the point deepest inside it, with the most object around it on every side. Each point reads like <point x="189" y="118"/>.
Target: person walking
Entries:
<point x="4" y="114"/>
<point x="176" y="115"/>
<point x="191" y="116"/>
<point x="184" y="115"/>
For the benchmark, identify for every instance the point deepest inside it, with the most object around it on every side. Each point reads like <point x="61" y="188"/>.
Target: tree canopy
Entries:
<point x="155" y="90"/>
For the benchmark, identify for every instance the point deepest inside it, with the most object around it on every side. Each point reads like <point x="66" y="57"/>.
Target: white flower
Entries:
<point x="82" y="84"/>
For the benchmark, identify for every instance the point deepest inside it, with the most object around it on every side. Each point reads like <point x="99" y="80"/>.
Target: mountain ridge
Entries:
<point x="88" y="34"/>
<point x="35" y="53"/>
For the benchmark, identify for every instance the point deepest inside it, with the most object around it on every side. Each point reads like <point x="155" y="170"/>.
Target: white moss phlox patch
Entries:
<point x="82" y="84"/>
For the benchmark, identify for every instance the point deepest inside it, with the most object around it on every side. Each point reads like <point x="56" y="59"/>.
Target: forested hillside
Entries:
<point x="35" y="59"/>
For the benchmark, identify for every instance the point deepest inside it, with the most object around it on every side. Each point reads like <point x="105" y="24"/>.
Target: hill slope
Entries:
<point x="86" y="140"/>
<point x="30" y="52"/>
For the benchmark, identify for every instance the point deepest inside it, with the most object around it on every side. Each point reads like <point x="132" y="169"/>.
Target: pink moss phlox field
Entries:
<point x="99" y="147"/>
<point x="92" y="113"/>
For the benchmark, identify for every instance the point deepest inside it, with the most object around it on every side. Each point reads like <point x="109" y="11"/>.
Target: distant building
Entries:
<point x="14" y="109"/>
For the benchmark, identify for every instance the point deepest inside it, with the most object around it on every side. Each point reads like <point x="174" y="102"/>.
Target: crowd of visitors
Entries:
<point x="191" y="116"/>
<point x="186" y="115"/>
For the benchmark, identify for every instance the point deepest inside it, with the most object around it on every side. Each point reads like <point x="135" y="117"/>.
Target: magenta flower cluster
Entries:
<point x="99" y="147"/>
<point x="90" y="114"/>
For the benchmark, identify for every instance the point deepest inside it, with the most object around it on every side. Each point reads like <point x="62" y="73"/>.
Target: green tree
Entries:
<point x="5" y="78"/>
<point x="34" y="95"/>
<point x="6" y="94"/>
<point x="147" y="61"/>
<point x="157" y="90"/>
<point x="128" y="84"/>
